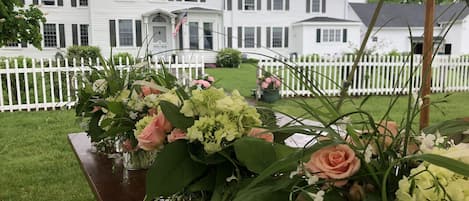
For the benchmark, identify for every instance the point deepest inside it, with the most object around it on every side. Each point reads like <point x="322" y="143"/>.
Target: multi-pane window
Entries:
<point x="278" y="4"/>
<point x="332" y="35"/>
<point x="208" y="36"/>
<point x="125" y="33"/>
<point x="249" y="4"/>
<point x="11" y="44"/>
<point x="277" y="36"/>
<point x="193" y="35"/>
<point x="50" y="35"/>
<point x="316" y="6"/>
<point x="48" y="2"/>
<point x="83" y="2"/>
<point x="84" y="34"/>
<point x="249" y="37"/>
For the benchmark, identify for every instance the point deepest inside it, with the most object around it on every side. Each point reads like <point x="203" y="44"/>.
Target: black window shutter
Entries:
<point x="259" y="4"/>
<point x="112" y="32"/>
<point x="229" y="5"/>
<point x="230" y="37"/>
<point x="202" y="0"/>
<point x="287" y="4"/>
<point x="75" y="34"/>
<point x="240" y="37"/>
<point x="181" y="39"/>
<point x="62" y="35"/>
<point x="308" y="6"/>
<point x="447" y="49"/>
<point x="240" y="4"/>
<point x="138" y="32"/>
<point x="258" y="35"/>
<point x="35" y="2"/>
<point x="24" y="44"/>
<point x="344" y="36"/>
<point x="269" y="4"/>
<point x="268" y="37"/>
<point x="286" y="36"/>
<point x="318" y="35"/>
<point x="60" y="2"/>
<point x="74" y="3"/>
<point x="323" y="6"/>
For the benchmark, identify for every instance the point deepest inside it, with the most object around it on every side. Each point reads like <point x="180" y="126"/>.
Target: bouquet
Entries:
<point x="269" y="82"/>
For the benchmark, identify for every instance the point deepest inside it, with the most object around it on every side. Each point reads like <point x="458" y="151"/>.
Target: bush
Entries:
<point x="29" y="62"/>
<point x="124" y="56"/>
<point x="304" y="58"/>
<point x="229" y="58"/>
<point x="85" y="52"/>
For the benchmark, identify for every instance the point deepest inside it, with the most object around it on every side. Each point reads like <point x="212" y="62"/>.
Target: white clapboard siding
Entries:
<point x="51" y="84"/>
<point x="376" y="75"/>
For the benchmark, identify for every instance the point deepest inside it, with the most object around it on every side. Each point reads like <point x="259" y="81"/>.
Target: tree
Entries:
<point x="19" y="24"/>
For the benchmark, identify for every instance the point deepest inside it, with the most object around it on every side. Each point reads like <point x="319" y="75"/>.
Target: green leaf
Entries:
<point x="448" y="163"/>
<point x="453" y="128"/>
<point x="256" y="160"/>
<point x="206" y="183"/>
<point x="177" y="119"/>
<point x="272" y="190"/>
<point x="172" y="170"/>
<point x="117" y="108"/>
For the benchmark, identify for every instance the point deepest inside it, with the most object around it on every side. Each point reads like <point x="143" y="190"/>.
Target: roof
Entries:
<point x="325" y="19"/>
<point x="197" y="9"/>
<point x="403" y="15"/>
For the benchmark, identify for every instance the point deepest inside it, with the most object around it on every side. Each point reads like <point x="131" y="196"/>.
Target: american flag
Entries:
<point x="182" y="20"/>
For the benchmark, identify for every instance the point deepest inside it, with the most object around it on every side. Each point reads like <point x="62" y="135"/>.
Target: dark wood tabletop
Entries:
<point x="106" y="183"/>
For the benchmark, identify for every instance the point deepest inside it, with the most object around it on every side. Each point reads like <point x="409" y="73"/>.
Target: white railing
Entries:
<point x="379" y="75"/>
<point x="50" y="84"/>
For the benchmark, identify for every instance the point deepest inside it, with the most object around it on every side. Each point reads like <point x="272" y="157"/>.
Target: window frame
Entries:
<point x="332" y="35"/>
<point x="282" y="3"/>
<point x="56" y="38"/>
<point x="81" y="5"/>
<point x="54" y="5"/>
<point x="196" y="37"/>
<point x="118" y="32"/>
<point x="82" y="35"/>
<point x="281" y="42"/>
<point x="245" y="39"/>
<point x="254" y="5"/>
<point x="319" y="6"/>
<point x="205" y="36"/>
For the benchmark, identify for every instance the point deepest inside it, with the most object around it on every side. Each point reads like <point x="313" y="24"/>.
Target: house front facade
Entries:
<point x="203" y="27"/>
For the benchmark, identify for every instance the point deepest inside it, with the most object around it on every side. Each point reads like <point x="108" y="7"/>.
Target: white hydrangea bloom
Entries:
<point x="368" y="154"/>
<point x="319" y="196"/>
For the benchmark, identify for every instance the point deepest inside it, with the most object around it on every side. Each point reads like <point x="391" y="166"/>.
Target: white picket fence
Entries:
<point x="50" y="84"/>
<point x="379" y="75"/>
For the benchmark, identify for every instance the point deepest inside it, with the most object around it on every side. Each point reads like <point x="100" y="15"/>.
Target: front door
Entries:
<point x="160" y="38"/>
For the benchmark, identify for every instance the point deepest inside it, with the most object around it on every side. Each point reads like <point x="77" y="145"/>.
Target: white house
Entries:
<point x="259" y="27"/>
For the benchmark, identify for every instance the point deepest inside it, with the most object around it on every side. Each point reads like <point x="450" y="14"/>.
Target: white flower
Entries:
<point x="319" y="196"/>
<point x="296" y="172"/>
<point x="415" y="95"/>
<point x="466" y="132"/>
<point x="427" y="142"/>
<point x="133" y="115"/>
<point x="100" y="86"/>
<point x="3" y="20"/>
<point x="312" y="179"/>
<point x="229" y="179"/>
<point x="368" y="154"/>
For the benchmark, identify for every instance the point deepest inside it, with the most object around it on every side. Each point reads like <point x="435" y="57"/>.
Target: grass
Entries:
<point x="37" y="162"/>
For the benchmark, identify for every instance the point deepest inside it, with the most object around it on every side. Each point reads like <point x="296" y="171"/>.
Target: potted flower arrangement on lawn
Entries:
<point x="269" y="85"/>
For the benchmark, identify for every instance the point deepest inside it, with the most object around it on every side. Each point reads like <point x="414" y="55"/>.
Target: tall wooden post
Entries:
<point x="426" y="76"/>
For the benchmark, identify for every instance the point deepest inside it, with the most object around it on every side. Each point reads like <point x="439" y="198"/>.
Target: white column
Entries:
<point x="173" y="29"/>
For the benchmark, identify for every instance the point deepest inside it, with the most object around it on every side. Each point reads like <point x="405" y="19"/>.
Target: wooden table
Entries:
<point x="107" y="185"/>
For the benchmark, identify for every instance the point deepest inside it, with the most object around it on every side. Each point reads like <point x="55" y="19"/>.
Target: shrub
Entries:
<point x="304" y="58"/>
<point x="86" y="52"/>
<point x="124" y="56"/>
<point x="250" y="60"/>
<point x="229" y="58"/>
<point x="29" y="62"/>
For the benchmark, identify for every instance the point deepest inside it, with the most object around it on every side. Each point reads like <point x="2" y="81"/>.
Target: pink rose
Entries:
<point x="334" y="162"/>
<point x="278" y="83"/>
<point x="205" y="84"/>
<point x="268" y="80"/>
<point x="146" y="90"/>
<point x="161" y="122"/>
<point x="176" y="134"/>
<point x="151" y="137"/>
<point x="95" y="109"/>
<point x="211" y="79"/>
<point x="127" y="146"/>
<point x="264" y="85"/>
<point x="261" y="134"/>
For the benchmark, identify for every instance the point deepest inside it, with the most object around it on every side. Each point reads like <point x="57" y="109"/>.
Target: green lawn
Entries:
<point x="37" y="162"/>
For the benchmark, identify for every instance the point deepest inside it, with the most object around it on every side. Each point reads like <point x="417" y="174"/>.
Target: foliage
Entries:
<point x="228" y="57"/>
<point x="250" y="60"/>
<point x="85" y="52"/>
<point x="122" y="56"/>
<point x="20" y="24"/>
<point x="20" y="60"/>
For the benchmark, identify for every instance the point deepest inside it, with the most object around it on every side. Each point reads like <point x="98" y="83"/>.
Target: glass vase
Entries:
<point x="138" y="160"/>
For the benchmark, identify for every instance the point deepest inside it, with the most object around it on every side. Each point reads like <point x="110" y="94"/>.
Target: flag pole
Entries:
<point x="426" y="75"/>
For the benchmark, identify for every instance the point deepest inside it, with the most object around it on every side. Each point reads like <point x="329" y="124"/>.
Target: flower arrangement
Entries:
<point x="203" y="82"/>
<point x="269" y="82"/>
